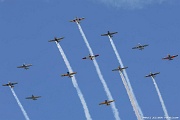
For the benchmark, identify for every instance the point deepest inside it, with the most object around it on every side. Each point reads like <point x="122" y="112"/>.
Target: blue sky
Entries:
<point x="26" y="26"/>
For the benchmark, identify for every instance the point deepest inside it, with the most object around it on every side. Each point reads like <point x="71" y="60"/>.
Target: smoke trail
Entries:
<point x="126" y="76"/>
<point x="83" y="102"/>
<point x="20" y="105"/>
<point x="161" y="100"/>
<point x="130" y="97"/>
<point x="108" y="93"/>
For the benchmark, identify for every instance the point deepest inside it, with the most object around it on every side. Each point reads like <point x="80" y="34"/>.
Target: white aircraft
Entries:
<point x="77" y="19"/>
<point x="25" y="66"/>
<point x="91" y="57"/>
<point x="10" y="84"/>
<point x="140" y="47"/>
<point x="152" y="74"/>
<point x="69" y="74"/>
<point x="33" y="97"/>
<point x="110" y="34"/>
<point x="106" y="102"/>
<point x="119" y="68"/>
<point x="56" y="39"/>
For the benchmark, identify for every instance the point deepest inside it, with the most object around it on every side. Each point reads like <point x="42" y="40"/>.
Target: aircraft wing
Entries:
<point x="165" y="58"/>
<point x="102" y="103"/>
<point x="113" y="33"/>
<point x="92" y="57"/>
<point x="24" y="66"/>
<point x="5" y="85"/>
<point x="29" y="97"/>
<point x="60" y="38"/>
<point x="37" y="96"/>
<point x="64" y="75"/>
<point x="106" y="102"/>
<point x="13" y="83"/>
<point x="152" y="74"/>
<point x="20" y="66"/>
<point x="51" y="40"/>
<point x="147" y="75"/>
<point x="104" y="34"/>
<point x="145" y="45"/>
<point x="111" y="101"/>
<point x="72" y="20"/>
<point x="115" y="70"/>
<point x="68" y="74"/>
<point x="33" y="97"/>
<point x="96" y="55"/>
<point x="156" y="73"/>
<point x="125" y="67"/>
<point x="81" y="19"/>
<point x="170" y="58"/>
<point x="109" y="34"/>
<point x="119" y="68"/>
<point x="72" y="73"/>
<point x="135" y="47"/>
<point x="84" y="58"/>
<point x="28" y="65"/>
<point x="174" y="56"/>
<point x="77" y="19"/>
<point x="56" y="39"/>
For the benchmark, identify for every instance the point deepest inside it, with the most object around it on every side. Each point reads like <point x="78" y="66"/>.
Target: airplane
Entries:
<point x="10" y="84"/>
<point x="110" y="34"/>
<point x="106" y="102"/>
<point x="119" y="68"/>
<point x="140" y="47"/>
<point x="169" y="57"/>
<point x="91" y="57"/>
<point x="77" y="19"/>
<point x="25" y="66"/>
<point x="56" y="39"/>
<point x="152" y="74"/>
<point x="33" y="97"/>
<point x="69" y="74"/>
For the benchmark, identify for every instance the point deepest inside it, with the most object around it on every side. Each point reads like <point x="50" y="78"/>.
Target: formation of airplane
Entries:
<point x="91" y="57"/>
<point x="33" y="97"/>
<point x="25" y="66"/>
<point x="10" y="84"/>
<point x="106" y="102"/>
<point x="69" y="74"/>
<point x="110" y="34"/>
<point x="77" y="19"/>
<point x="56" y="39"/>
<point x="169" y="57"/>
<point x="152" y="74"/>
<point x="119" y="69"/>
<point x="140" y="47"/>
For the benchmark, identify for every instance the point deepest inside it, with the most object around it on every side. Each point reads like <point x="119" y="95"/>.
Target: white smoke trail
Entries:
<point x="20" y="105"/>
<point x="126" y="76"/>
<point x="130" y="97"/>
<point x="83" y="102"/>
<point x="108" y="93"/>
<point x="161" y="100"/>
